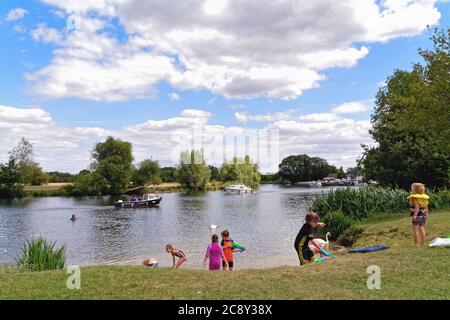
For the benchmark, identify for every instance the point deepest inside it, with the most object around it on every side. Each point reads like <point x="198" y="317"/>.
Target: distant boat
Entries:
<point x="238" y="189"/>
<point x="147" y="200"/>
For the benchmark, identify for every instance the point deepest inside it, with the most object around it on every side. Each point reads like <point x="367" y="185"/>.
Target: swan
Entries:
<point x="324" y="243"/>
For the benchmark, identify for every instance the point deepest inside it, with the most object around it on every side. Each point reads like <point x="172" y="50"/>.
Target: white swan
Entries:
<point x="324" y="243"/>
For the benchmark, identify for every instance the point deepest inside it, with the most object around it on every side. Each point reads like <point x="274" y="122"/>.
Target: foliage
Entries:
<point x="29" y="171"/>
<point x="147" y="172"/>
<point x="58" y="177"/>
<point x="40" y="254"/>
<point x="113" y="164"/>
<point x="268" y="178"/>
<point x="9" y="181"/>
<point x="411" y="123"/>
<point x="304" y="168"/>
<point x="335" y="223"/>
<point x="215" y="173"/>
<point x="240" y="170"/>
<point x="169" y="174"/>
<point x="88" y="184"/>
<point x="367" y="202"/>
<point x="349" y="236"/>
<point x="193" y="172"/>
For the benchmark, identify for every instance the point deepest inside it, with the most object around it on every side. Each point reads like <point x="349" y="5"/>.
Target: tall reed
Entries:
<point x="40" y="254"/>
<point x="366" y="202"/>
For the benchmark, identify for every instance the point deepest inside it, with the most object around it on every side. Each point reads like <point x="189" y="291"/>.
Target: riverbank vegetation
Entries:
<point x="342" y="278"/>
<point x="40" y="255"/>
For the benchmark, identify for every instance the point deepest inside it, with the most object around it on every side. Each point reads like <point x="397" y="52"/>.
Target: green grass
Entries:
<point x="406" y="273"/>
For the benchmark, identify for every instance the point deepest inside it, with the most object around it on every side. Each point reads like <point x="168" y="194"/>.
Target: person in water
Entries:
<point x="150" y="262"/>
<point x="304" y="244"/>
<point x="176" y="254"/>
<point x="227" y="246"/>
<point x="418" y="205"/>
<point x="73" y="218"/>
<point x="215" y="254"/>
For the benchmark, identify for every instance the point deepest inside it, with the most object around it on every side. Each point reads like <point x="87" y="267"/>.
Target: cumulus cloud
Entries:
<point x="233" y="48"/>
<point x="174" y="96"/>
<point x="352" y="107"/>
<point x="45" y="34"/>
<point x="67" y="148"/>
<point x="268" y="117"/>
<point x="16" y="14"/>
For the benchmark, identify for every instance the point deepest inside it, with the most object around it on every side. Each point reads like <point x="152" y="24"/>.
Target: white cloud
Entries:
<point x="268" y="117"/>
<point x="16" y="14"/>
<point x="45" y="34"/>
<point x="353" y="107"/>
<point x="174" y="96"/>
<point x="67" y="148"/>
<point x="319" y="117"/>
<point x="233" y="48"/>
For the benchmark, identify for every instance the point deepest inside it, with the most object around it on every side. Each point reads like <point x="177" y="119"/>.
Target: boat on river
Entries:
<point x="238" y="189"/>
<point x="147" y="200"/>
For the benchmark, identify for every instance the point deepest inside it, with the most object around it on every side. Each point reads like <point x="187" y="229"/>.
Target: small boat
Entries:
<point x="147" y="200"/>
<point x="238" y="189"/>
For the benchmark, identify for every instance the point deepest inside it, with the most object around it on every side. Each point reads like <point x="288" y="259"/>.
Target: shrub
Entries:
<point x="350" y="236"/>
<point x="335" y="223"/>
<point x="40" y="254"/>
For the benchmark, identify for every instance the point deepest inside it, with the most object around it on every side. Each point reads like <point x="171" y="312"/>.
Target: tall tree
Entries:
<point x="10" y="186"/>
<point x="147" y="172"/>
<point x="240" y="170"/>
<point x="411" y="122"/>
<point x="193" y="172"/>
<point x="304" y="168"/>
<point x="29" y="170"/>
<point x="113" y="162"/>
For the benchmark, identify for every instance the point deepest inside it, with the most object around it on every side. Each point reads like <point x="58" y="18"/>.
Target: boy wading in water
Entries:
<point x="418" y="205"/>
<point x="304" y="244"/>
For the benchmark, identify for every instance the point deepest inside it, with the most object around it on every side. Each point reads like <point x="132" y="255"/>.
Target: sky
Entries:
<point x="233" y="77"/>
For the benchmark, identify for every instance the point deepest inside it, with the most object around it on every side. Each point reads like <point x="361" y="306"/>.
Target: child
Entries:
<point x="418" y="205"/>
<point x="150" y="262"/>
<point x="304" y="244"/>
<point x="227" y="245"/>
<point x="215" y="253"/>
<point x="176" y="253"/>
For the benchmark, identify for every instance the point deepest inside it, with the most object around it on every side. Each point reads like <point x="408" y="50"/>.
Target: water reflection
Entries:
<point x="266" y="222"/>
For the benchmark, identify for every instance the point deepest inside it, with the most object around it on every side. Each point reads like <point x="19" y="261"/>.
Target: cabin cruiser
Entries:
<point x="147" y="200"/>
<point x="238" y="189"/>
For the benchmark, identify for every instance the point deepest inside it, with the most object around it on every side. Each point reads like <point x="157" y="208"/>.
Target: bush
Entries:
<point x="367" y="202"/>
<point x="335" y="223"/>
<point x="39" y="255"/>
<point x="350" y="236"/>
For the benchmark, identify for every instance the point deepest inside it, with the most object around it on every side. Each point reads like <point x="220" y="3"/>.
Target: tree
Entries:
<point x="10" y="186"/>
<point x="240" y="170"/>
<point x="215" y="173"/>
<point x="304" y="168"/>
<point x="29" y="171"/>
<point x="89" y="184"/>
<point x="193" y="172"/>
<point x="147" y="172"/>
<point x="113" y="162"/>
<point x="411" y="122"/>
<point x="169" y="174"/>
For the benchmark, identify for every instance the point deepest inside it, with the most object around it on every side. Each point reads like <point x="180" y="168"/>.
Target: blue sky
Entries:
<point x="24" y="51"/>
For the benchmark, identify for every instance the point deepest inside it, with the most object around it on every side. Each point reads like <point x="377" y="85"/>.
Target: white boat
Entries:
<point x="238" y="189"/>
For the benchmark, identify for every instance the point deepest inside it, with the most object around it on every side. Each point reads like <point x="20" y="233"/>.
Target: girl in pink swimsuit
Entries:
<point x="215" y="254"/>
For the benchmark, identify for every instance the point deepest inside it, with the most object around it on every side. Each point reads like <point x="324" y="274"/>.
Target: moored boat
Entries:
<point x="238" y="189"/>
<point x="147" y="200"/>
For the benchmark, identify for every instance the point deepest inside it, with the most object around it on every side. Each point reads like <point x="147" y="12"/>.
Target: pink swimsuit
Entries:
<point x="215" y="255"/>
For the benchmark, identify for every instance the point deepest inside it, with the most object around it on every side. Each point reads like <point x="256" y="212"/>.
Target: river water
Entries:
<point x="266" y="222"/>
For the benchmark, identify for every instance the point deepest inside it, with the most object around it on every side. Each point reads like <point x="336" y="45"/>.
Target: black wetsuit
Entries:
<point x="301" y="243"/>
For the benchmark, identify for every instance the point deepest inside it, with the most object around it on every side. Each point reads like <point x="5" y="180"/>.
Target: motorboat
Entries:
<point x="238" y="189"/>
<point x="147" y="200"/>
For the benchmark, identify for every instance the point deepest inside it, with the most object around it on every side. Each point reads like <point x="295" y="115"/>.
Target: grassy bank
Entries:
<point x="406" y="273"/>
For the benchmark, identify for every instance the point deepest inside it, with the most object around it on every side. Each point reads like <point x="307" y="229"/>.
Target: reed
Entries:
<point x="367" y="202"/>
<point x="40" y="254"/>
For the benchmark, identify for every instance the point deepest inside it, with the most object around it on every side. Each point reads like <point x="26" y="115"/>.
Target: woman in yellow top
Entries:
<point x="418" y="205"/>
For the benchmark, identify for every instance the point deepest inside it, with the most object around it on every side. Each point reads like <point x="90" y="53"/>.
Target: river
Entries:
<point x="266" y="222"/>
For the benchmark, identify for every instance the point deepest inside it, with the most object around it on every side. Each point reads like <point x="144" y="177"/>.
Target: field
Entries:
<point x="406" y="273"/>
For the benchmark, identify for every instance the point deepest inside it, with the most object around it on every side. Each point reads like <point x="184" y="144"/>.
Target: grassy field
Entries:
<point x="406" y="273"/>
<point x="48" y="187"/>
